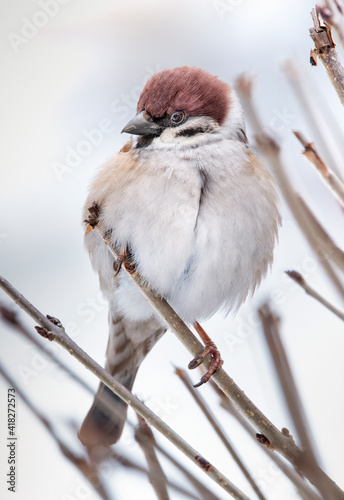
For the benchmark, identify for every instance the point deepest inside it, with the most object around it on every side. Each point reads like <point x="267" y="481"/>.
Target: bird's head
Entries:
<point x="182" y="103"/>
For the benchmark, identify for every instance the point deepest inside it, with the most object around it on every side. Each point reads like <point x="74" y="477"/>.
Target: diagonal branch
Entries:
<point x="270" y="324"/>
<point x="203" y="492"/>
<point x="326" y="173"/>
<point x="281" y="443"/>
<point x="87" y="469"/>
<point x="315" y="234"/>
<point x="321" y="120"/>
<point x="144" y="437"/>
<point x="57" y="334"/>
<point x="11" y="318"/>
<point x="218" y="429"/>
<point x="321" y="239"/>
<point x="299" y="279"/>
<point x="299" y="481"/>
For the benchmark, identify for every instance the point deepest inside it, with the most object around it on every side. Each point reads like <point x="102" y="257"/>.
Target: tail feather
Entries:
<point x="129" y="343"/>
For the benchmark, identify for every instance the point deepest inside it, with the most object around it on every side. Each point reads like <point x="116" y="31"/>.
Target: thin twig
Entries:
<point x="326" y="173"/>
<point x="321" y="238"/>
<point x="299" y="279"/>
<point x="11" y="318"/>
<point x="58" y="335"/>
<point x="270" y="324"/>
<point x="300" y="211"/>
<point x="105" y="401"/>
<point x="323" y="123"/>
<point x="119" y="458"/>
<point x="218" y="429"/>
<point x="178" y="327"/>
<point x="86" y="468"/>
<point x="284" y="444"/>
<point x="203" y="492"/>
<point x="298" y="480"/>
<point x="144" y="437"/>
<point x="333" y="14"/>
<point x="325" y="49"/>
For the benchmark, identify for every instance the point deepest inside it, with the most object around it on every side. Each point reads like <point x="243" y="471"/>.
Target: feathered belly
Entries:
<point x="205" y="261"/>
<point x="199" y="248"/>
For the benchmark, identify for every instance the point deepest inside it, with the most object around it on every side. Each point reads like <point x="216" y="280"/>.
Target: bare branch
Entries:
<point x="316" y="236"/>
<point x="298" y="278"/>
<point x="11" y="318"/>
<point x="299" y="482"/>
<point x="218" y="429"/>
<point x="322" y="122"/>
<point x="183" y="333"/>
<point x="325" y="49"/>
<point x="58" y="335"/>
<point x="270" y="324"/>
<point x="86" y="468"/>
<point x="322" y="240"/>
<point x="203" y="492"/>
<point x="284" y="444"/>
<point x="144" y="437"/>
<point x="326" y="173"/>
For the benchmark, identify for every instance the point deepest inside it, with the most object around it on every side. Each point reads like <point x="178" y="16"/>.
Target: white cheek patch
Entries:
<point x="173" y="135"/>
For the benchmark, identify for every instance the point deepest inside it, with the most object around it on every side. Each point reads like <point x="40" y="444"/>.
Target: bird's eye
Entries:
<point x="177" y="117"/>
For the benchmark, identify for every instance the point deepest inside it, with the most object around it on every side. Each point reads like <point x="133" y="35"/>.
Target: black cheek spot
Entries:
<point x="144" y="141"/>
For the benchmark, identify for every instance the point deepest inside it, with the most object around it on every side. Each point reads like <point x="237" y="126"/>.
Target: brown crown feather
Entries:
<point x="188" y="89"/>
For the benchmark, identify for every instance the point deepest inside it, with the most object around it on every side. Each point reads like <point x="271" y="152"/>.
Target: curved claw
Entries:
<point x="199" y="383"/>
<point x="215" y="365"/>
<point x="117" y="266"/>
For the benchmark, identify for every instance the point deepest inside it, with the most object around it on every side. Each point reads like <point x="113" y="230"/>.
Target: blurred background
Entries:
<point x="72" y="73"/>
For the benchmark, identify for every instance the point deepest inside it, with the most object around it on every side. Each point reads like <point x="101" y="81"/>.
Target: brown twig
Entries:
<point x="326" y="173"/>
<point x="11" y="318"/>
<point x="319" y="242"/>
<point x="88" y="469"/>
<point x="193" y="345"/>
<point x="130" y="464"/>
<point x="279" y="442"/>
<point x="325" y="50"/>
<point x="58" y="335"/>
<point x="299" y="279"/>
<point x="270" y="324"/>
<point x="322" y="122"/>
<point x="123" y="460"/>
<point x="333" y="14"/>
<point x="299" y="482"/>
<point x="119" y="458"/>
<point x="321" y="239"/>
<point x="203" y="492"/>
<point x="218" y="429"/>
<point x="145" y="439"/>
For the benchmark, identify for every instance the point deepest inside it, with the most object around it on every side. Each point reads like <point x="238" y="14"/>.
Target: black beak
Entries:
<point x="139" y="125"/>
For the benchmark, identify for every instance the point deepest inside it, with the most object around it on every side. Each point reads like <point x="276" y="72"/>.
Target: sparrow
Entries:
<point x="190" y="206"/>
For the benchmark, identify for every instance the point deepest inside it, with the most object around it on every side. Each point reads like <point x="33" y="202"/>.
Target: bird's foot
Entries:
<point x="124" y="259"/>
<point x="210" y="348"/>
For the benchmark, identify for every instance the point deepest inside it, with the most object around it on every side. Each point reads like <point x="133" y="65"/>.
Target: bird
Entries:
<point x="196" y="213"/>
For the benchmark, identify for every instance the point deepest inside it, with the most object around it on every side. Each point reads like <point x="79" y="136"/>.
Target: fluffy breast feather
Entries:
<point x="200" y="224"/>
